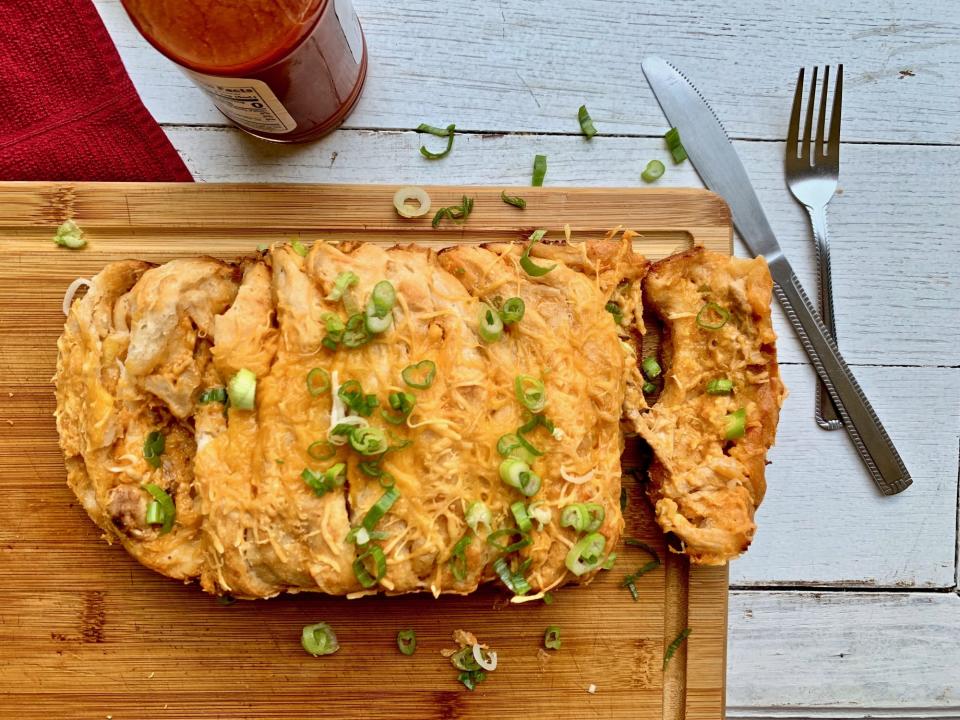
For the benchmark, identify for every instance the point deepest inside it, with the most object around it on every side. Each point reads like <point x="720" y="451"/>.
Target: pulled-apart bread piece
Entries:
<point x="717" y="414"/>
<point x="354" y="420"/>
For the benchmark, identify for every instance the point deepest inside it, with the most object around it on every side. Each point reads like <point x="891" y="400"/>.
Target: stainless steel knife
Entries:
<point x="718" y="164"/>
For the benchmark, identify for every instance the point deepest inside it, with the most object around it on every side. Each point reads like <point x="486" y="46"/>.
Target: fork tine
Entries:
<point x="819" y="149"/>
<point x="834" y="147"/>
<point x="794" y="129"/>
<point x="808" y="127"/>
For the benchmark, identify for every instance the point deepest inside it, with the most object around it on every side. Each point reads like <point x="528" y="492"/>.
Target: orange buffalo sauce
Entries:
<point x="283" y="70"/>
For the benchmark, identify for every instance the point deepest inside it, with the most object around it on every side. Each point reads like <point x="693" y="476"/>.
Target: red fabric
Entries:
<point x="69" y="110"/>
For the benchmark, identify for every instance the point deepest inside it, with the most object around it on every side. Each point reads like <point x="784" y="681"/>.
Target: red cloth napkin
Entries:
<point x="69" y="110"/>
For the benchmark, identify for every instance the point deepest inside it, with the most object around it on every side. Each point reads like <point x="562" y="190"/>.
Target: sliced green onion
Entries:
<point x="653" y="171"/>
<point x="490" y="325"/>
<point x="575" y="516"/>
<point x="512" y="445"/>
<point x="548" y="598"/>
<point x="356" y="333"/>
<point x="541" y="513"/>
<point x="516" y="583"/>
<point x="463" y="659"/>
<point x="438" y="132"/>
<point x="677" y="150"/>
<point x="651" y="368"/>
<point x="494" y="537"/>
<point x="404" y="208"/>
<point x="368" y="440"/>
<point x="707" y="322"/>
<point x="69" y="235"/>
<point x="352" y="395"/>
<point x="455" y="213"/>
<point x="674" y="646"/>
<point x="720" y="386"/>
<point x="512" y="310"/>
<point x="344" y="280"/>
<point x="586" y="122"/>
<point x="371" y="468"/>
<point x="596" y="514"/>
<point x="519" y="510"/>
<point x="321" y="450"/>
<point x="530" y="393"/>
<point x="458" y="558"/>
<point x="514" y="200"/>
<point x="154" y="513"/>
<point x="299" y="248"/>
<point x="632" y="587"/>
<point x="384" y="297"/>
<point x="529" y="451"/>
<point x="363" y="574"/>
<point x="153" y="446"/>
<point x="517" y="474"/>
<point x="212" y="395"/>
<point x="736" y="424"/>
<point x="586" y="554"/>
<point x="539" y="170"/>
<point x="633" y="542"/>
<point x="379" y="509"/>
<point x="402" y="404"/>
<point x="318" y="382"/>
<point x="551" y="638"/>
<point x="648" y="388"/>
<point x="168" y="511"/>
<point x="319" y="640"/>
<point x="323" y="482"/>
<point x="387" y="480"/>
<point x="376" y="324"/>
<point x="529" y="266"/>
<point x="470" y="680"/>
<point x="608" y="563"/>
<point x="407" y="642"/>
<point x="420" y="375"/>
<point x="630" y="581"/>
<point x="242" y="389"/>
<point x="478" y="514"/>
<point x="615" y="310"/>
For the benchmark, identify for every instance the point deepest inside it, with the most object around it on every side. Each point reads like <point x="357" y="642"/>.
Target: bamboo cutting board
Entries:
<point x="86" y="632"/>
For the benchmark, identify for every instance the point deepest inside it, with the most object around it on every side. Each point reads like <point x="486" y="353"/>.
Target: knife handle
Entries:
<point x="868" y="435"/>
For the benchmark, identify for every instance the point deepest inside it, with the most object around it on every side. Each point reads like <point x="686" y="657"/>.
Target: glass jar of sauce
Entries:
<point x="282" y="70"/>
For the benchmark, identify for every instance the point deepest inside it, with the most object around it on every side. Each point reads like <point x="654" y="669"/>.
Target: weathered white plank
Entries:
<point x="528" y="64"/>
<point x="893" y="228"/>
<point x="823" y="523"/>
<point x="843" y="655"/>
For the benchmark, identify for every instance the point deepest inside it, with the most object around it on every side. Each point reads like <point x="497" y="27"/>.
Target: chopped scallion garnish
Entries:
<point x="69" y="235"/>
<point x="456" y="213"/>
<point x="653" y="171"/>
<point x="212" y="395"/>
<point x="343" y="281"/>
<point x="319" y="640"/>
<point x="402" y="405"/>
<point x="586" y="122"/>
<point x="539" y="170"/>
<point x="420" y="375"/>
<point x="651" y="368"/>
<point x="551" y="638"/>
<point x="720" y="386"/>
<point x="615" y="310"/>
<point x="519" y="511"/>
<point x="529" y="266"/>
<point x="530" y="393"/>
<point x="167" y="512"/>
<point x="361" y="571"/>
<point x="712" y="316"/>
<point x="318" y="381"/>
<point x="508" y="533"/>
<point x="321" y="450"/>
<point x="323" y="482"/>
<point x="515" y="582"/>
<point x="368" y="440"/>
<point x="407" y="642"/>
<point x="674" y="646"/>
<point x="517" y="474"/>
<point x="736" y="424"/>
<point x="438" y="132"/>
<point x="514" y="200"/>
<point x="458" y="558"/>
<point x="490" y="326"/>
<point x="352" y="395"/>
<point x="586" y="554"/>
<point x="242" y="389"/>
<point x="153" y="446"/>
<point x="677" y="151"/>
<point x="512" y="311"/>
<point x="648" y="388"/>
<point x="478" y="514"/>
<point x="299" y="248"/>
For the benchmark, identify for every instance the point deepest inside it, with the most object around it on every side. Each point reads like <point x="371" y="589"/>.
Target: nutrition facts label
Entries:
<point x="249" y="103"/>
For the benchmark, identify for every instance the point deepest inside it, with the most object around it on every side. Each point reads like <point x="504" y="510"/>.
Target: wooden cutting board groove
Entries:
<point x="86" y="632"/>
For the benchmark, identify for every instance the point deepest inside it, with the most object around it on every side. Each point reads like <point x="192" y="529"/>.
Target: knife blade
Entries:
<point x="716" y="161"/>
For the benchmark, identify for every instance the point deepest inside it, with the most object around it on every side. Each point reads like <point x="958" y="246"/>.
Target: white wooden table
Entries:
<point x="847" y="604"/>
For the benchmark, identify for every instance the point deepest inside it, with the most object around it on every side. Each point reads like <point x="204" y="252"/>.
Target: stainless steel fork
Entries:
<point x="812" y="169"/>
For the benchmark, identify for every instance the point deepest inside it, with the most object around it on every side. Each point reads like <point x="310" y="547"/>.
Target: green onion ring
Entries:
<point x="438" y="132"/>
<point x="653" y="171"/>
<point x="407" y="642"/>
<point x="586" y="554"/>
<point x="492" y="540"/>
<point x="586" y="122"/>
<point x="319" y="640"/>
<point x="363" y="575"/>
<point x="530" y="393"/>
<point x="519" y="511"/>
<point x="539" y="170"/>
<point x="551" y="638"/>
<point x="458" y="557"/>
<point x="736" y="424"/>
<point x="380" y="508"/>
<point x="212" y="395"/>
<point x="420" y="375"/>
<point x="168" y="511"/>
<point x="242" y="390"/>
<point x="720" y="386"/>
<point x="490" y="326"/>
<point x="321" y="450"/>
<point x="712" y="307"/>
<point x="651" y="368"/>
<point x="512" y="311"/>
<point x="153" y="446"/>
<point x="368" y="440"/>
<point x="318" y="381"/>
<point x="529" y="266"/>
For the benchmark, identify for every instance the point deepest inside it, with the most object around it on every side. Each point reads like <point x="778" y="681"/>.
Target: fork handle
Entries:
<point x="864" y="427"/>
<point x="825" y="412"/>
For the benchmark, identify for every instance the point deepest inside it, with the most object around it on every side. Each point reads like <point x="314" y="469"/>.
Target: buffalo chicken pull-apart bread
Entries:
<point x="356" y="419"/>
<point x="717" y="414"/>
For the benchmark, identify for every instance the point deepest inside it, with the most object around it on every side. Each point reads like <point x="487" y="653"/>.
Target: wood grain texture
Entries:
<point x="85" y="627"/>
<point x="844" y="655"/>
<point x="528" y="65"/>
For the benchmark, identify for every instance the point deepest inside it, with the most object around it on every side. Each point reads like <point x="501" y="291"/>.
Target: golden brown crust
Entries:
<point x="706" y="488"/>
